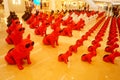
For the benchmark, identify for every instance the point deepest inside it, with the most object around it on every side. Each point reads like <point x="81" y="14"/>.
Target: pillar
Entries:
<point x="16" y="5"/>
<point x="6" y="7"/>
<point x="58" y="4"/>
<point x="52" y="5"/>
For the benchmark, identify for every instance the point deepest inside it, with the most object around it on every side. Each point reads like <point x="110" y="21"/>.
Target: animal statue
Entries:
<point x="11" y="17"/>
<point x="35" y="23"/>
<point x="30" y="19"/>
<point x="79" y="25"/>
<point x="20" y="52"/>
<point x="16" y="35"/>
<point x="50" y="18"/>
<point x="64" y="57"/>
<point x="67" y="31"/>
<point x="111" y="57"/>
<point x="12" y="26"/>
<point x="67" y="21"/>
<point x="41" y="30"/>
<point x="26" y="15"/>
<point x="88" y="57"/>
<point x="52" y="39"/>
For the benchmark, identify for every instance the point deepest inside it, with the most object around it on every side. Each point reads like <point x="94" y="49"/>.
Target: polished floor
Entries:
<point x="45" y="64"/>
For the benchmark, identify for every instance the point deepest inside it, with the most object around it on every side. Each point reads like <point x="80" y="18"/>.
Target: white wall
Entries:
<point x="92" y="4"/>
<point x="16" y="7"/>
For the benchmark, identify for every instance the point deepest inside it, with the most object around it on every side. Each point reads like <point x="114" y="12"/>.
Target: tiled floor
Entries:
<point x="45" y="64"/>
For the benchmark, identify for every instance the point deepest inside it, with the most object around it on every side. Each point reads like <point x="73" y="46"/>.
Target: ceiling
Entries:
<point x="108" y="0"/>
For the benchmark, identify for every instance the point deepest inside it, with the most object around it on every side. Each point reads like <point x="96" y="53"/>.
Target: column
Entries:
<point x="58" y="4"/>
<point x="6" y="7"/>
<point x="16" y="5"/>
<point x="52" y="5"/>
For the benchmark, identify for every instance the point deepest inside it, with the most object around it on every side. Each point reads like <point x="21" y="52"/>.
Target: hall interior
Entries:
<point x="45" y="63"/>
